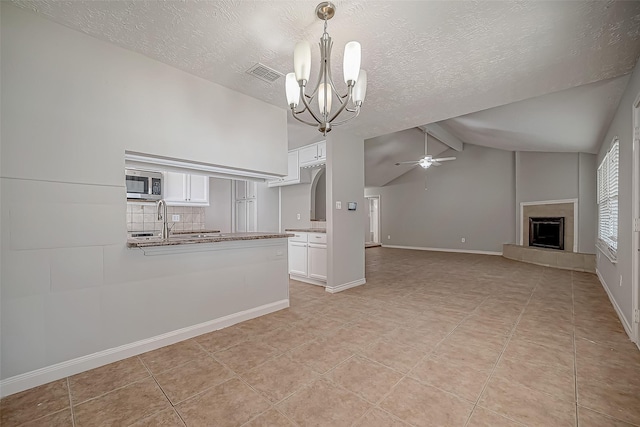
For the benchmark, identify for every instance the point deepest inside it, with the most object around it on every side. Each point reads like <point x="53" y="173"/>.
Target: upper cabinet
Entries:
<point x="182" y="189"/>
<point x="314" y="154"/>
<point x="293" y="171"/>
<point x="245" y="189"/>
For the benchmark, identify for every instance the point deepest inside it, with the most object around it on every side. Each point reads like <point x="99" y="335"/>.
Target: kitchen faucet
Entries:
<point x="162" y="215"/>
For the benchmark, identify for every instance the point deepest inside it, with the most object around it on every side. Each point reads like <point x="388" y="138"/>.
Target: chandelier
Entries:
<point x="325" y="90"/>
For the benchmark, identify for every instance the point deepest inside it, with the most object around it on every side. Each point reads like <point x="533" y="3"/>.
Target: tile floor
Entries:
<point x="432" y="339"/>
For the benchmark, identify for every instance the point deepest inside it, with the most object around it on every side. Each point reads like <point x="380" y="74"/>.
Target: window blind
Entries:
<point x="607" y="198"/>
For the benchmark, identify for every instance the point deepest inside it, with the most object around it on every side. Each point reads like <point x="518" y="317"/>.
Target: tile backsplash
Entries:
<point x="144" y="217"/>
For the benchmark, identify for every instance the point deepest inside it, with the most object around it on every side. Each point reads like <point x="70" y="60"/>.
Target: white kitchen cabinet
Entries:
<point x="246" y="206"/>
<point x="314" y="154"/>
<point x="245" y="189"/>
<point x="181" y="189"/>
<point x="298" y="258"/>
<point x="308" y="154"/>
<point x="308" y="258"/>
<point x="317" y="254"/>
<point x="293" y="172"/>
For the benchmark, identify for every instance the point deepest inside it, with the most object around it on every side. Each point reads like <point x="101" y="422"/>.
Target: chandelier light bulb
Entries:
<point x="321" y="93"/>
<point x="293" y="90"/>
<point x="351" y="63"/>
<point x="302" y="61"/>
<point x="360" y="89"/>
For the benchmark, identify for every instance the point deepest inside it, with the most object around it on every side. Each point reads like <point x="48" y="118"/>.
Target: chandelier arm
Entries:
<point x="295" y="116"/>
<point x="323" y="54"/>
<point x="346" y="120"/>
<point x="298" y="112"/>
<point x="344" y="105"/>
<point x="330" y="78"/>
<point x="306" y="104"/>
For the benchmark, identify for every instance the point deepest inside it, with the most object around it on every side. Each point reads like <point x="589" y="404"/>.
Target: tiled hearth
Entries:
<point x="551" y="257"/>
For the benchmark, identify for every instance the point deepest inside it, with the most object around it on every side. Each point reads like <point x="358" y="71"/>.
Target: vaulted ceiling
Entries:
<point x="427" y="61"/>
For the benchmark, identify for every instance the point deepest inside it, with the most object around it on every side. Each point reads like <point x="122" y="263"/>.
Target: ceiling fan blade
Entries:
<point x="444" y="159"/>
<point x="406" y="163"/>
<point x="435" y="163"/>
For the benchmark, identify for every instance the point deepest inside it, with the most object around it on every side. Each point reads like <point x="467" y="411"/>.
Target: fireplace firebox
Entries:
<point x="547" y="232"/>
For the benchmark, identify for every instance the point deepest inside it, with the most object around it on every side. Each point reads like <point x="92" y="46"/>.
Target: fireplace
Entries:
<point x="547" y="232"/>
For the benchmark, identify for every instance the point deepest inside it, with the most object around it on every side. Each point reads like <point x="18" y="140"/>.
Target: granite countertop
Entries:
<point x="307" y="230"/>
<point x="201" y="237"/>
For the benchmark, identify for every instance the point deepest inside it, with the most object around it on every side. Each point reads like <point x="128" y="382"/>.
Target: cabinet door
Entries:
<point x="298" y="258"/>
<point x="251" y="216"/>
<point x="317" y="261"/>
<point x="241" y="216"/>
<point x="308" y="154"/>
<point x="250" y="189"/>
<point x="322" y="150"/>
<point x="175" y="187"/>
<point x="293" y="172"/>
<point x="198" y="190"/>
<point x="241" y="189"/>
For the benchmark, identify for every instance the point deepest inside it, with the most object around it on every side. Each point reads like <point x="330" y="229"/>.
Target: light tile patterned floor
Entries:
<point x="432" y="339"/>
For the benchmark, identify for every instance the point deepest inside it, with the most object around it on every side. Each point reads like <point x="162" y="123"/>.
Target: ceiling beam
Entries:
<point x="443" y="136"/>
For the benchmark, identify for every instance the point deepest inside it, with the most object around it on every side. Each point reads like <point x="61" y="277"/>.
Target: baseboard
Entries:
<point x="308" y="280"/>
<point x="75" y="366"/>
<point x="461" y="251"/>
<point x="345" y="286"/>
<point x="627" y="327"/>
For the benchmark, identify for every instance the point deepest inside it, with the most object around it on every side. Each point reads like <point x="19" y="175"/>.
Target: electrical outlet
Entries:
<point x="389" y="237"/>
<point x="175" y="218"/>
<point x="338" y="205"/>
<point x="463" y="240"/>
<point x="298" y="216"/>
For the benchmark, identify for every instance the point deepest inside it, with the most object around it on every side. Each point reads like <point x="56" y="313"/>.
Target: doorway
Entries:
<point x="372" y="237"/>
<point x="635" y="200"/>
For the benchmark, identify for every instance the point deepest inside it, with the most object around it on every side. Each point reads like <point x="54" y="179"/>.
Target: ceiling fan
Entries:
<point x="427" y="161"/>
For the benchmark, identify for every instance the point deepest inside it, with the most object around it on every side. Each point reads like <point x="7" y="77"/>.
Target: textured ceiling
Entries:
<point x="572" y="120"/>
<point x="426" y="61"/>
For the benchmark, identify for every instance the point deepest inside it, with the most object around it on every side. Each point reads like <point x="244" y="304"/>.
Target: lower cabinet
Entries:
<point x="317" y="261"/>
<point x="308" y="258"/>
<point x="298" y="258"/>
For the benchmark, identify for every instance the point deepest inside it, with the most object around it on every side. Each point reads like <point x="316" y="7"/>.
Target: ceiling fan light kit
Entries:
<point x="427" y="160"/>
<point x="325" y="92"/>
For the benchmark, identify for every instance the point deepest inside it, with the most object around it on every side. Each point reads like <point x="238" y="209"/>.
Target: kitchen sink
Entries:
<point x="191" y="236"/>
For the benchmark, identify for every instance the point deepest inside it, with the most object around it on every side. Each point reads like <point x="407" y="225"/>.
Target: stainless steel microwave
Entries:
<point x="143" y="185"/>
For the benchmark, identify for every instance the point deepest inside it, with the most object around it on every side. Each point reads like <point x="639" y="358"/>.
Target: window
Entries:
<point x="608" y="199"/>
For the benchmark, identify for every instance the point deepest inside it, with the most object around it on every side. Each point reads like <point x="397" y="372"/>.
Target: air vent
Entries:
<point x="265" y="73"/>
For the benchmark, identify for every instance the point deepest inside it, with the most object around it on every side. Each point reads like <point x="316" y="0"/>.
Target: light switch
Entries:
<point x="338" y="205"/>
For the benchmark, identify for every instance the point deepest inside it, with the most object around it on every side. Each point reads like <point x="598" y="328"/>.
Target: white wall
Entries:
<point x="617" y="277"/>
<point x="471" y="197"/>
<point x="268" y="207"/>
<point x="587" y="207"/>
<point x="345" y="183"/>
<point x="71" y="106"/>
<point x="296" y="199"/>
<point x="218" y="214"/>
<point x="558" y="176"/>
